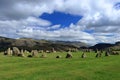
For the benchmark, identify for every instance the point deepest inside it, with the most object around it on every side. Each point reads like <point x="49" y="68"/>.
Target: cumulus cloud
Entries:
<point x="20" y="18"/>
<point x="103" y="17"/>
<point x="68" y="34"/>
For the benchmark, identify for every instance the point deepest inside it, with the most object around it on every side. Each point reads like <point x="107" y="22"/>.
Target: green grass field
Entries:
<point x="50" y="68"/>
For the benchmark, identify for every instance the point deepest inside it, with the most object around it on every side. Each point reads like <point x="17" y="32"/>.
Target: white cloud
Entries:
<point x="107" y="37"/>
<point x="67" y="34"/>
<point x="54" y="27"/>
<point x="101" y="17"/>
<point x="20" y="19"/>
<point x="37" y="21"/>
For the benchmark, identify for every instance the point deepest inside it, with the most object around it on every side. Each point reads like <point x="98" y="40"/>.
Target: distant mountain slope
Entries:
<point x="74" y="43"/>
<point x="29" y="44"/>
<point x="106" y="45"/>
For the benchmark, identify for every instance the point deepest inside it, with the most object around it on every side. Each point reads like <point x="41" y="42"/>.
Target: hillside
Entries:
<point x="29" y="44"/>
<point x="100" y="46"/>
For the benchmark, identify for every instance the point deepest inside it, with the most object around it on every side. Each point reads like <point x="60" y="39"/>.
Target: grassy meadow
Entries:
<point x="50" y="68"/>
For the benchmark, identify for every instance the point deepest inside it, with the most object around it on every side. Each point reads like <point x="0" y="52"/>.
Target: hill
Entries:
<point x="29" y="44"/>
<point x="100" y="46"/>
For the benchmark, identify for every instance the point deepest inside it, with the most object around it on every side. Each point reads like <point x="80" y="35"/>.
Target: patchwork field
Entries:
<point x="50" y="68"/>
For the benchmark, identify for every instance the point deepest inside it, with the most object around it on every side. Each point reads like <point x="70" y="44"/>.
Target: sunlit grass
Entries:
<point x="50" y="68"/>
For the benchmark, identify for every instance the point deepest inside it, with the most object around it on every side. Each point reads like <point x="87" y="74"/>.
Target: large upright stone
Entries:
<point x="9" y="51"/>
<point x="107" y="53"/>
<point x="69" y="55"/>
<point x="96" y="50"/>
<point x="34" y="53"/>
<point x="76" y="49"/>
<point x="98" y="55"/>
<point x="21" y="54"/>
<point x="53" y="50"/>
<point x="83" y="55"/>
<point x="16" y="51"/>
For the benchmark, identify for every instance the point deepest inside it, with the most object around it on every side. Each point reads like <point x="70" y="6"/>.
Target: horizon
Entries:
<point x="61" y="20"/>
<point x="88" y="44"/>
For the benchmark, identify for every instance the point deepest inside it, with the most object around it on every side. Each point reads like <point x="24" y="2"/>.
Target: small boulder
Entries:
<point x="5" y="52"/>
<point x="58" y="56"/>
<point x="30" y="56"/>
<point x="117" y="53"/>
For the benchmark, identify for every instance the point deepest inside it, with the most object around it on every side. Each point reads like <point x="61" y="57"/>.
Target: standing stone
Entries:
<point x="83" y="55"/>
<point x="16" y="51"/>
<point x="101" y="51"/>
<point x="69" y="50"/>
<point x="11" y="52"/>
<point x="53" y="50"/>
<point x="96" y="50"/>
<point x="34" y="53"/>
<point x="112" y="53"/>
<point x="41" y="51"/>
<point x="43" y="55"/>
<point x="8" y="51"/>
<point x="88" y="50"/>
<point x="69" y="55"/>
<point x="76" y="49"/>
<point x="99" y="54"/>
<point x="47" y="51"/>
<point x="21" y="53"/>
<point x="107" y="53"/>
<point x="25" y="51"/>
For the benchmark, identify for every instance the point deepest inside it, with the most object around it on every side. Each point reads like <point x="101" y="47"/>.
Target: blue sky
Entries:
<point x="117" y="5"/>
<point x="86" y="21"/>
<point x="61" y="18"/>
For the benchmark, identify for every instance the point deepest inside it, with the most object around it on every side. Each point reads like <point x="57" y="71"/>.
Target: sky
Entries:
<point x="89" y="21"/>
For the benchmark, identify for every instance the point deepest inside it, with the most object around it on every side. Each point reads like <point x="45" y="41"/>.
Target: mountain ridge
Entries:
<point x="30" y="44"/>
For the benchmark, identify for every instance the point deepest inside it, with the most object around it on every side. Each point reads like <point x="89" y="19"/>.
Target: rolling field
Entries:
<point x="50" y="68"/>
